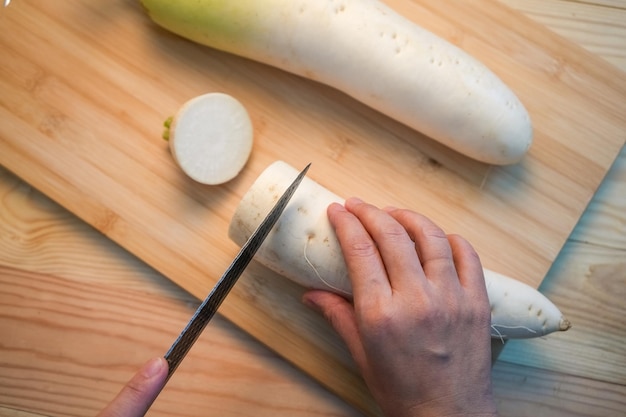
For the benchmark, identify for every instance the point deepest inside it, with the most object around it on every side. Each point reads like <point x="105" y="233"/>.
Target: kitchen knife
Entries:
<point x="209" y="306"/>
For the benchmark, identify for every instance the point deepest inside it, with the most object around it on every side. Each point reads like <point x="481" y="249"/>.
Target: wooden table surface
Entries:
<point x="67" y="293"/>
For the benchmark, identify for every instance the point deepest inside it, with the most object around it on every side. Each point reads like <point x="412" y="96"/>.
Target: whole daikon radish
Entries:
<point x="303" y="247"/>
<point x="375" y="55"/>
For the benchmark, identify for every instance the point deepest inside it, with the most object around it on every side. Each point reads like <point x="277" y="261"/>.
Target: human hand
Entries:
<point x="137" y="395"/>
<point x="418" y="326"/>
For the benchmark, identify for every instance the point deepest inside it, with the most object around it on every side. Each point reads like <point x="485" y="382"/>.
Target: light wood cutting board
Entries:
<point x="86" y="85"/>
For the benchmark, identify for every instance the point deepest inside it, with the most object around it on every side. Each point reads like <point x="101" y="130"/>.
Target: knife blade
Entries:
<point x="211" y="303"/>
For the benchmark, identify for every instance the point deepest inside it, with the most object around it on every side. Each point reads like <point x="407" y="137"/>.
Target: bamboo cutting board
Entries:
<point x="85" y="86"/>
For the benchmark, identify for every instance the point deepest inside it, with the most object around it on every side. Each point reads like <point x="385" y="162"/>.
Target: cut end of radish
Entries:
<point x="211" y="138"/>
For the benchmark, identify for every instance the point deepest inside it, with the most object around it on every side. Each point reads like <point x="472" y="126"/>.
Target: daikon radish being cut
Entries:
<point x="367" y="50"/>
<point x="303" y="247"/>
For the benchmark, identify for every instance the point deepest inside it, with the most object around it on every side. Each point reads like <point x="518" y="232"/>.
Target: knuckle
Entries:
<point x="431" y="230"/>
<point x="362" y="249"/>
<point x="395" y="233"/>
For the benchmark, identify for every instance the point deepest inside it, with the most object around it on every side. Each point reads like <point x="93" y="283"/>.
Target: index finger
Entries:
<point x="394" y="243"/>
<point x="360" y="253"/>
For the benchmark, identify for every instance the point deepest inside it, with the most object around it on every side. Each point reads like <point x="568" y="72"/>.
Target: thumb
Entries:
<point x="139" y="393"/>
<point x="340" y="314"/>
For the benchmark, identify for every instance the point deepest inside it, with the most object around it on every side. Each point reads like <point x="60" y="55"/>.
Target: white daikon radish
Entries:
<point x="372" y="53"/>
<point x="211" y="138"/>
<point x="303" y="247"/>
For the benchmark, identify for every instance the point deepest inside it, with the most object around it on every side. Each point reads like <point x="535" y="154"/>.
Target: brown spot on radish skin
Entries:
<point x="340" y="9"/>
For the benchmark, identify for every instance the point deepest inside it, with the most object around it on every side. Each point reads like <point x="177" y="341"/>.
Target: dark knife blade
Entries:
<point x="209" y="306"/>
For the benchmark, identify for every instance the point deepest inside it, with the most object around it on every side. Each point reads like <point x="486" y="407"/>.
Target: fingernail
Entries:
<point x="336" y="206"/>
<point x="310" y="302"/>
<point x="355" y="200"/>
<point x="352" y="202"/>
<point x="154" y="366"/>
<point x="390" y="209"/>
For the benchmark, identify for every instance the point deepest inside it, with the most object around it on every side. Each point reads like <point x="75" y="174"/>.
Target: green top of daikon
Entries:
<point x="224" y="22"/>
<point x="167" y="123"/>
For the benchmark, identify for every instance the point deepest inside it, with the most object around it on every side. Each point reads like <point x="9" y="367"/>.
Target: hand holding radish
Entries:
<point x="303" y="247"/>
<point x="419" y="324"/>
<point x="418" y="327"/>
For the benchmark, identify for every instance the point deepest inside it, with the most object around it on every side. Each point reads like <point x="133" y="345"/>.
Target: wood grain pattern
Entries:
<point x="89" y="318"/>
<point x="78" y="314"/>
<point x="524" y="392"/>
<point x="600" y="29"/>
<point x="591" y="364"/>
<point x="72" y="125"/>
<point x="588" y="280"/>
<point x="54" y="263"/>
